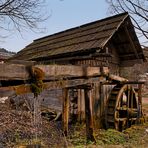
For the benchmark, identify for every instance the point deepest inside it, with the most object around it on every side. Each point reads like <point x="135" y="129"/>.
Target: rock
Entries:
<point x="3" y="99"/>
<point x="18" y="102"/>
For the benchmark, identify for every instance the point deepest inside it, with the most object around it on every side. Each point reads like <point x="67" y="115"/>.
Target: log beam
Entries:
<point x="89" y="117"/>
<point x="65" y="111"/>
<point x="116" y="78"/>
<point x="79" y="83"/>
<point x="13" y="72"/>
<point x="123" y="82"/>
<point x="25" y="88"/>
<point x="21" y="72"/>
<point x="140" y="99"/>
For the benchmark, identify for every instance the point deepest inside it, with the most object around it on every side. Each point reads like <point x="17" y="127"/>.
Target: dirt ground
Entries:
<point x="17" y="130"/>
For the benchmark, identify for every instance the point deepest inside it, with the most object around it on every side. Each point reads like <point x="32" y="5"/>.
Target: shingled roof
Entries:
<point x="94" y="35"/>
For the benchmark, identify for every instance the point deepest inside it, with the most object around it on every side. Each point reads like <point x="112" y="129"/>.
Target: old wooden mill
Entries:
<point x="118" y="104"/>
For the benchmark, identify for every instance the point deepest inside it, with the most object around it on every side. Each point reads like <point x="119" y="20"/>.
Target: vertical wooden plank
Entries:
<point x="82" y="105"/>
<point x="140" y="99"/>
<point x="65" y="111"/>
<point x="97" y="100"/>
<point x="101" y="99"/>
<point x="89" y="117"/>
<point x="92" y="99"/>
<point x="97" y="107"/>
<point x="79" y="106"/>
<point x="140" y="93"/>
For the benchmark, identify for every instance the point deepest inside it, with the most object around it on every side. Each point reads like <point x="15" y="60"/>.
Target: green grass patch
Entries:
<point x="112" y="136"/>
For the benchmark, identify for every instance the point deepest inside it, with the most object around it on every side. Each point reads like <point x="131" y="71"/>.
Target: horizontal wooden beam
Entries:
<point x="123" y="82"/>
<point x="20" y="72"/>
<point x="67" y="71"/>
<point x="22" y="62"/>
<point x="13" y="72"/>
<point x="116" y="78"/>
<point x="25" y="88"/>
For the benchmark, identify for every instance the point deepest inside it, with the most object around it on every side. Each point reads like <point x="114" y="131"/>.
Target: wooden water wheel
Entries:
<point x="122" y="107"/>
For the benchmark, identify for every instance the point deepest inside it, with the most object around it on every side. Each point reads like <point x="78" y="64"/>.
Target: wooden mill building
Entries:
<point x="110" y="42"/>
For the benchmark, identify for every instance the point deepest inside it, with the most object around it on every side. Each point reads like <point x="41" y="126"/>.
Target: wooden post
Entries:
<point x="65" y="113"/>
<point x="82" y="105"/>
<point x="140" y="99"/>
<point x="101" y="98"/>
<point x="89" y="117"/>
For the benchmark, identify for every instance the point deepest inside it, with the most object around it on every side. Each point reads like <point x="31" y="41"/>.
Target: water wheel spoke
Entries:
<point x="128" y="102"/>
<point x="132" y="99"/>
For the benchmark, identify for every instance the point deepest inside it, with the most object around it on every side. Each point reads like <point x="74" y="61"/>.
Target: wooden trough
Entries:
<point x="99" y="92"/>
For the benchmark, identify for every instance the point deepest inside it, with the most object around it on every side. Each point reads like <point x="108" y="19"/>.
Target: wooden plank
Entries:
<point x="97" y="106"/>
<point x="79" y="105"/>
<point x="13" y="72"/>
<point x="70" y="70"/>
<point x="116" y="78"/>
<point x="22" y="62"/>
<point x="89" y="117"/>
<point x="140" y="100"/>
<point x="25" y="88"/>
<point x="101" y="98"/>
<point x="140" y="94"/>
<point x="20" y="72"/>
<point x="65" y="111"/>
<point x="82" y="105"/>
<point x="20" y="89"/>
<point x="124" y="82"/>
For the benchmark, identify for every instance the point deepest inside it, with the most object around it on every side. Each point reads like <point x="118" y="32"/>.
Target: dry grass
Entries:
<point x="16" y="130"/>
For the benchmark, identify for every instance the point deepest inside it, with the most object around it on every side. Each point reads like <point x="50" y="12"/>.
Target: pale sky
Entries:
<point x="65" y="14"/>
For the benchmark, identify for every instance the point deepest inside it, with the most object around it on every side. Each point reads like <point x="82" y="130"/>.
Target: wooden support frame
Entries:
<point x="88" y="114"/>
<point x="140" y="99"/>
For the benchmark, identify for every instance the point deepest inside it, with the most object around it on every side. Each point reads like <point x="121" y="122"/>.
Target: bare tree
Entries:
<point x="21" y="14"/>
<point x="138" y="10"/>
